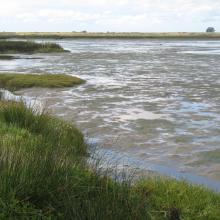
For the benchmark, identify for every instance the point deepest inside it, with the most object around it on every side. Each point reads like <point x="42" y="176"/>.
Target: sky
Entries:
<point x="110" y="15"/>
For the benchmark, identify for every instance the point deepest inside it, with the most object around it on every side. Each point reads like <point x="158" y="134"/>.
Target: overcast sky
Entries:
<point x="109" y="15"/>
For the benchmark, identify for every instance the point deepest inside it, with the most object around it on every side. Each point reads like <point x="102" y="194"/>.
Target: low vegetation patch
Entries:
<point x="7" y="57"/>
<point x="44" y="175"/>
<point x="178" y="200"/>
<point x="18" y="81"/>
<point x="10" y="57"/>
<point x="28" y="47"/>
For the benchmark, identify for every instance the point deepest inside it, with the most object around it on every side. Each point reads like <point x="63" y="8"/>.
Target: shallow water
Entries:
<point x="157" y="101"/>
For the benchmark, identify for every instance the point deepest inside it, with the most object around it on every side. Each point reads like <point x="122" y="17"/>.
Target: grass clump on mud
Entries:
<point x="28" y="47"/>
<point x="12" y="81"/>
<point x="44" y="175"/>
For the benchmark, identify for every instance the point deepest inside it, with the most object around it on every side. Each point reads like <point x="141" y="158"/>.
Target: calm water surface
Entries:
<point x="157" y="102"/>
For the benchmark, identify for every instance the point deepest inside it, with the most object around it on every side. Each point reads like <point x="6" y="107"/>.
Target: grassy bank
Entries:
<point x="111" y="35"/>
<point x="12" y="81"/>
<point x="28" y="47"/>
<point x="43" y="175"/>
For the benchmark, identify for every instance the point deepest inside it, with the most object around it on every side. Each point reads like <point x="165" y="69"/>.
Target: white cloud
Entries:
<point x="112" y="15"/>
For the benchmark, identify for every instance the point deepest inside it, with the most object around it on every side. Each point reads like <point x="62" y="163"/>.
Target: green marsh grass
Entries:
<point x="173" y="200"/>
<point x="44" y="175"/>
<point x="12" y="81"/>
<point x="28" y="47"/>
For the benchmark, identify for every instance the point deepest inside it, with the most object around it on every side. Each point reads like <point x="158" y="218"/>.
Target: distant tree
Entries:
<point x="210" y="30"/>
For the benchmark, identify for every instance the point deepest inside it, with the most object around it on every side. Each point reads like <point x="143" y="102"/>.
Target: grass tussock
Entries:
<point x="18" y="81"/>
<point x="43" y="175"/>
<point x="28" y="47"/>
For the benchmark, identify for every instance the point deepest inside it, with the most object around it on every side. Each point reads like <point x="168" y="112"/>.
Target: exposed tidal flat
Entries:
<point x="151" y="100"/>
<point x="154" y="100"/>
